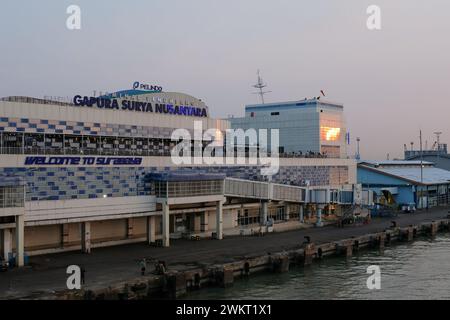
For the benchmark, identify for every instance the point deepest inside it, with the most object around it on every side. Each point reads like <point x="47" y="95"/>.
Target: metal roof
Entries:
<point x="395" y="163"/>
<point x="431" y="175"/>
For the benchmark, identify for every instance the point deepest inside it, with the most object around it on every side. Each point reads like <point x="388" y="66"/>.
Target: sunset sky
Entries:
<point x="392" y="82"/>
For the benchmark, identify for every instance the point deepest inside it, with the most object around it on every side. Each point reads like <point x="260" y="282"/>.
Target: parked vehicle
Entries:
<point x="409" y="207"/>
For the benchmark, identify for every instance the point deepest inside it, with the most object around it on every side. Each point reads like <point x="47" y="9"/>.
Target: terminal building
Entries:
<point x="307" y="127"/>
<point x="98" y="171"/>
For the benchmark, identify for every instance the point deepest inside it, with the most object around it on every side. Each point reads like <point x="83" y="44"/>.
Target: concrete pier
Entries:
<point x="245" y="256"/>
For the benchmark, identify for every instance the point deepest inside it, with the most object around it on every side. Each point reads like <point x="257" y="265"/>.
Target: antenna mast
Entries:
<point x="260" y="85"/>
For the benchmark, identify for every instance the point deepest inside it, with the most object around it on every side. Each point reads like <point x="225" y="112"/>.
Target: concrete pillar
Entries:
<point x="264" y="211"/>
<point x="197" y="222"/>
<point x="20" y="225"/>
<point x="286" y="211"/>
<point x="7" y="243"/>
<point x="204" y="225"/>
<point x="151" y="229"/>
<point x="434" y="228"/>
<point x="129" y="228"/>
<point x="219" y="220"/>
<point x="165" y="224"/>
<point x="309" y="252"/>
<point x="301" y="217"/>
<point x="319" y="217"/>
<point x="86" y="237"/>
<point x="64" y="235"/>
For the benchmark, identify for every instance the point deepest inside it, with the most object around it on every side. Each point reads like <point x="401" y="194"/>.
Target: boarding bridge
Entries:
<point x="241" y="188"/>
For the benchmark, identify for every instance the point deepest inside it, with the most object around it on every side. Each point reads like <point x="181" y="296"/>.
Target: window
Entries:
<point x="330" y="134"/>
<point x="274" y="113"/>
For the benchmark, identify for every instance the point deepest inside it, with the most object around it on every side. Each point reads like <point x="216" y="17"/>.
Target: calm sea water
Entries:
<point x="419" y="270"/>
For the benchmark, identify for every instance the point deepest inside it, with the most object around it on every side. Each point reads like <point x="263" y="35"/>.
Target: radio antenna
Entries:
<point x="260" y="85"/>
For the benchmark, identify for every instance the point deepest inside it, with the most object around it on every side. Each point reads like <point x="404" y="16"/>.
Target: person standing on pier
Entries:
<point x="143" y="265"/>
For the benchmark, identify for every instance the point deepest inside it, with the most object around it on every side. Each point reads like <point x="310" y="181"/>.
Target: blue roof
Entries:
<point x="391" y="163"/>
<point x="11" y="181"/>
<point x="431" y="175"/>
<point x="173" y="176"/>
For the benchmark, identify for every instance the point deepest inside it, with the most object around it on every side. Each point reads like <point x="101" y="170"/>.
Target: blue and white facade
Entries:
<point x="86" y="168"/>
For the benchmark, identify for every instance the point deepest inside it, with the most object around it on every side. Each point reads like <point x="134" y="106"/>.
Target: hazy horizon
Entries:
<point x="389" y="80"/>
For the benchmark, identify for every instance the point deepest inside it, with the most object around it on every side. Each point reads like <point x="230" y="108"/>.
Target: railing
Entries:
<point x="246" y="188"/>
<point x="120" y="152"/>
<point x="288" y="193"/>
<point x="84" y="151"/>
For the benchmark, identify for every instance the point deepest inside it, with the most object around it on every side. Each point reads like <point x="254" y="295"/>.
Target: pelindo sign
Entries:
<point x="138" y="106"/>
<point x="143" y="86"/>
<point x="82" y="161"/>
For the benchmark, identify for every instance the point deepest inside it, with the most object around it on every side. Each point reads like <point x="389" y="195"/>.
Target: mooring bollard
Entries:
<point x="410" y="233"/>
<point x="433" y="228"/>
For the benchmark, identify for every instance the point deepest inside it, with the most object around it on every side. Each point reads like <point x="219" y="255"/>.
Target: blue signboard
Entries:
<point x="81" y="161"/>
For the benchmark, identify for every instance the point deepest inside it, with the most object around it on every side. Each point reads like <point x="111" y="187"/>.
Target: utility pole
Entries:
<point x="358" y="155"/>
<point x="421" y="158"/>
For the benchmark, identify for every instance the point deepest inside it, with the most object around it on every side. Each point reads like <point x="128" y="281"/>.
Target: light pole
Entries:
<point x="358" y="156"/>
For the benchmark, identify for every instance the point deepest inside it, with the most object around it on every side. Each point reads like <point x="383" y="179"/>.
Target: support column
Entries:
<point x="319" y="217"/>
<point x="301" y="217"/>
<point x="219" y="220"/>
<point x="64" y="235"/>
<point x="129" y="228"/>
<point x="264" y="210"/>
<point x="20" y="240"/>
<point x="7" y="243"/>
<point x="286" y="211"/>
<point x="165" y="224"/>
<point x="204" y="222"/>
<point x="197" y="222"/>
<point x="151" y="230"/>
<point x="86" y="237"/>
